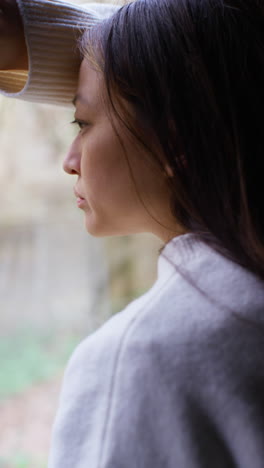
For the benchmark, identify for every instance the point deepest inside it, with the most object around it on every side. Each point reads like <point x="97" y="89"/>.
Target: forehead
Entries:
<point x="90" y="86"/>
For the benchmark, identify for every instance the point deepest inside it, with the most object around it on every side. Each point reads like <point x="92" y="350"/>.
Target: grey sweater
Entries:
<point x="176" y="380"/>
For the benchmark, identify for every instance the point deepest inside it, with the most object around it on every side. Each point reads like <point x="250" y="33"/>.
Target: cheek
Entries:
<point x="104" y="168"/>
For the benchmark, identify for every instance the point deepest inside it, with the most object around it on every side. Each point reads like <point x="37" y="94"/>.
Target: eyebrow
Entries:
<point x="78" y="97"/>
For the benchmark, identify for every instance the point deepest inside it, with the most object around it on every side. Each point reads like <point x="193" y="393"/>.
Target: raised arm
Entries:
<point x="13" y="48"/>
<point x="38" y="57"/>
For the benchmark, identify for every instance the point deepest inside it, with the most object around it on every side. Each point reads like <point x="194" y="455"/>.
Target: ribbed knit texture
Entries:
<point x="51" y="32"/>
<point x="12" y="81"/>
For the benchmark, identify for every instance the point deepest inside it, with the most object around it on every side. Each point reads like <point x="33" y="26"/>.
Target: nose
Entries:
<point x="71" y="163"/>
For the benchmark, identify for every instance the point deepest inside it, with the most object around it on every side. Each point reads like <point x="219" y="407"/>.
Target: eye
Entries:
<point x="80" y="123"/>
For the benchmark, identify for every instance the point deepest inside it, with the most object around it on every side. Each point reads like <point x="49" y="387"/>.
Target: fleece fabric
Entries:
<point x="175" y="380"/>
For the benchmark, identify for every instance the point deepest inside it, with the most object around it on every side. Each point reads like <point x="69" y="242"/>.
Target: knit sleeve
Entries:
<point x="51" y="30"/>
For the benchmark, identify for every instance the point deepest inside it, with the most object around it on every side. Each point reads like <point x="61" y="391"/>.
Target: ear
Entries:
<point x="169" y="170"/>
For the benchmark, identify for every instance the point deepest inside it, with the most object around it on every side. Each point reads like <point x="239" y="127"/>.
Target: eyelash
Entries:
<point x="80" y="124"/>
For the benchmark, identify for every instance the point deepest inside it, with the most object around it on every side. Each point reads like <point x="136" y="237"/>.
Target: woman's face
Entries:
<point x="105" y="189"/>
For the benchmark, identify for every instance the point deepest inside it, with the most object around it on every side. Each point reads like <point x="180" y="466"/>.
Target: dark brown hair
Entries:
<point x="193" y="72"/>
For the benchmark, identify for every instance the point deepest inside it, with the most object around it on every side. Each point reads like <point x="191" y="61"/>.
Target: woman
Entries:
<point x="168" y="103"/>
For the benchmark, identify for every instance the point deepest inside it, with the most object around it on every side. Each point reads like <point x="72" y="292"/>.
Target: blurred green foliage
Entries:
<point x="22" y="461"/>
<point x="26" y="359"/>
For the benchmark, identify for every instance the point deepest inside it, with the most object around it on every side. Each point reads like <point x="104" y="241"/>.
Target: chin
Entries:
<point x="96" y="228"/>
<point x="102" y="230"/>
<point x="93" y="231"/>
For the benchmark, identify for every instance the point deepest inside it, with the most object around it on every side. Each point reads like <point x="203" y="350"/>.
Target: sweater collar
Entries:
<point x="178" y="251"/>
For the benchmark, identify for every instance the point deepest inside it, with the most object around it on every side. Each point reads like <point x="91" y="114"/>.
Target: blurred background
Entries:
<point x="57" y="283"/>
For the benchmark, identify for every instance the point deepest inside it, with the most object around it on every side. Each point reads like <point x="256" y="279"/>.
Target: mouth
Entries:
<point x="80" y="200"/>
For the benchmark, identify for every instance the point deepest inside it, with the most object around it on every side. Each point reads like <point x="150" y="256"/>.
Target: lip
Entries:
<point x="80" y="200"/>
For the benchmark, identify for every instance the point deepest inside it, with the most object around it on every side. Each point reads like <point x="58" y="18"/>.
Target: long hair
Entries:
<point x="193" y="73"/>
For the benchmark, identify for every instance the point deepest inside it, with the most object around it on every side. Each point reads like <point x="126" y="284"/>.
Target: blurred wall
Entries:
<point x="57" y="283"/>
<point x="49" y="265"/>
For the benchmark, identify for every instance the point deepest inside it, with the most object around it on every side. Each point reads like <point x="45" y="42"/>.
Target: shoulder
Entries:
<point x="193" y="323"/>
<point x="172" y="363"/>
<point x="205" y="295"/>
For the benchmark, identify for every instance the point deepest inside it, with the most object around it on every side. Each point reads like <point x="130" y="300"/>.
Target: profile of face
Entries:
<point x="114" y="201"/>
